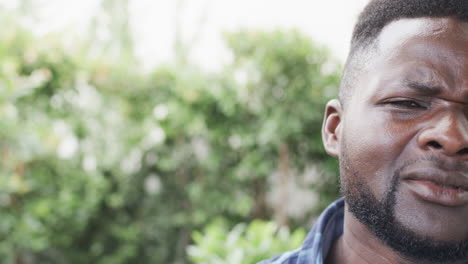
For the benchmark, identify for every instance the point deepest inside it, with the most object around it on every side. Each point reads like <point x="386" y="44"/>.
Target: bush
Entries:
<point x="244" y="244"/>
<point x="104" y="163"/>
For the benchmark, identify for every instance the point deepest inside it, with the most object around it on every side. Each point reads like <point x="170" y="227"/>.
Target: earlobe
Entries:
<point x="331" y="128"/>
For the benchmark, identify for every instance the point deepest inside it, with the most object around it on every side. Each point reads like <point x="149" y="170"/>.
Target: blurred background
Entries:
<point x="165" y="131"/>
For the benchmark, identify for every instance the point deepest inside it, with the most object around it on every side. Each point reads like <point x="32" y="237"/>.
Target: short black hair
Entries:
<point x="379" y="13"/>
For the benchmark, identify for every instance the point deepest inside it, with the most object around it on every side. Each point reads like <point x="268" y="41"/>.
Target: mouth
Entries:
<point x="444" y="187"/>
<point x="438" y="186"/>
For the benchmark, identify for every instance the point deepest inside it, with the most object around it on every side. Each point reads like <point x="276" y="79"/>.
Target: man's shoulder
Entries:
<point x="319" y="240"/>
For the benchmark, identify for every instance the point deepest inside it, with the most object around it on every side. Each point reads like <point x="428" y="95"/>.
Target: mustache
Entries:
<point x="437" y="161"/>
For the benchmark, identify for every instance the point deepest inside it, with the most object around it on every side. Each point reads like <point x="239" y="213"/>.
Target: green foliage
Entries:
<point x="243" y="244"/>
<point x="283" y="83"/>
<point x="104" y="164"/>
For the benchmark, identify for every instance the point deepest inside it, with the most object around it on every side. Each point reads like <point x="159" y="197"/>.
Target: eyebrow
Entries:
<point x="423" y="88"/>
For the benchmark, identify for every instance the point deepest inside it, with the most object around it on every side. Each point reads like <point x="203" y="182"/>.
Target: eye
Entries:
<point x="408" y="104"/>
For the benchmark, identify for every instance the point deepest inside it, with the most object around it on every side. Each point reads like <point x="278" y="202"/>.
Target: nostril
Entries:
<point x="464" y="151"/>
<point x="434" y="144"/>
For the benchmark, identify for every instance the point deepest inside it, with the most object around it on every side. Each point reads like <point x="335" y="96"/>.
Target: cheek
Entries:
<point x="374" y="148"/>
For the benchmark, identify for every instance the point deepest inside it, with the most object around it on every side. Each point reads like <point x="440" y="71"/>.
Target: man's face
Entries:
<point x="404" y="135"/>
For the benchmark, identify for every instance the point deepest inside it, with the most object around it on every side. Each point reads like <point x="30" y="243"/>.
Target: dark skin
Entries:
<point x="409" y="103"/>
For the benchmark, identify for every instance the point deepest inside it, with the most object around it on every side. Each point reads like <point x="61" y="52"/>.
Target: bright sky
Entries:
<point x="202" y="23"/>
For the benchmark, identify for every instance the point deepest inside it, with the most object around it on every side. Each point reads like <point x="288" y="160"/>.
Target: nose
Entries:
<point x="448" y="134"/>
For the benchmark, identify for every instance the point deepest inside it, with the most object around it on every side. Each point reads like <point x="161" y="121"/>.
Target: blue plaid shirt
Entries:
<point x="318" y="242"/>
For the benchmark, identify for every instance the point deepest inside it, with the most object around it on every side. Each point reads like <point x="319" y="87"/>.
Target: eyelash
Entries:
<point x="408" y="104"/>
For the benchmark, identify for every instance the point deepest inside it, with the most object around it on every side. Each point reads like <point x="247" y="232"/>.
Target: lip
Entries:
<point x="439" y="186"/>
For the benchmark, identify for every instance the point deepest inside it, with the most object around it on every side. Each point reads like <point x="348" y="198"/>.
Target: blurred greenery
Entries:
<point x="242" y="244"/>
<point x="102" y="162"/>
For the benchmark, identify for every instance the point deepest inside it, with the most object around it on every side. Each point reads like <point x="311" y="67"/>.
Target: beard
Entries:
<point x="379" y="217"/>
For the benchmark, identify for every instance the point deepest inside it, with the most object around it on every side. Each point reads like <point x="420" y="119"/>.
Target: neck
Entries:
<point x="359" y="245"/>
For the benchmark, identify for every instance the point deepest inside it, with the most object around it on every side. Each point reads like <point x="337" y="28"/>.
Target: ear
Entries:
<point x="331" y="128"/>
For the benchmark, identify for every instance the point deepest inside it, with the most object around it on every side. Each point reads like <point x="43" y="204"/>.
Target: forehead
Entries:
<point x="399" y="33"/>
<point x="424" y="49"/>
